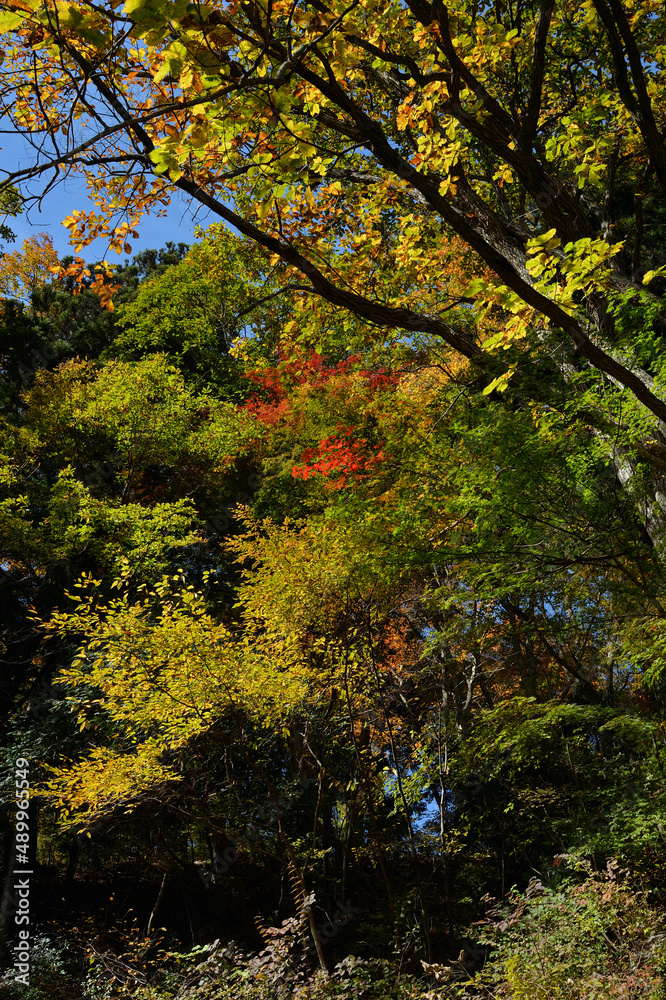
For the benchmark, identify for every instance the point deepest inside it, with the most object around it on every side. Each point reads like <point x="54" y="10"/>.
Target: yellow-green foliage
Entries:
<point x="142" y="412"/>
<point x="301" y="572"/>
<point x="164" y="670"/>
<point x="192" y="308"/>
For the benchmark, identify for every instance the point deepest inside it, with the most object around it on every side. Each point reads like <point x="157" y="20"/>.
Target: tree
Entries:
<point x="11" y="204"/>
<point x="26" y="270"/>
<point x="51" y="310"/>
<point x="195" y="311"/>
<point x="449" y="120"/>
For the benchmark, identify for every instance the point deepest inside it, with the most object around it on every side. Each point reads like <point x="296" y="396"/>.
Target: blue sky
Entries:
<point x="178" y="225"/>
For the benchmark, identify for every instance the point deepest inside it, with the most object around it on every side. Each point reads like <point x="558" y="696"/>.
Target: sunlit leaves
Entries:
<point x="140" y="413"/>
<point x="362" y="112"/>
<point x="28" y="268"/>
<point x="165" y="671"/>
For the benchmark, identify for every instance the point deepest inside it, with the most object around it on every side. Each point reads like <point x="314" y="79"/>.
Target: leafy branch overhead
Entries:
<point x="290" y="124"/>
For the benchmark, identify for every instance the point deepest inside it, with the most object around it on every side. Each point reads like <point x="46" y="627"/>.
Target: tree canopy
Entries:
<point x="523" y="131"/>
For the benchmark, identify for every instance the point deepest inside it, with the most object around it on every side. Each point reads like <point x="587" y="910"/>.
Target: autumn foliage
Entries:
<point x="333" y="565"/>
